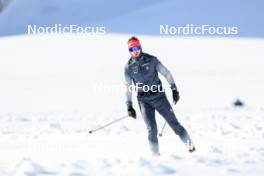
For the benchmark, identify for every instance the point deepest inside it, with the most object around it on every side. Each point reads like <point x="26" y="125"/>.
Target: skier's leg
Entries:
<point x="163" y="106"/>
<point x="148" y="114"/>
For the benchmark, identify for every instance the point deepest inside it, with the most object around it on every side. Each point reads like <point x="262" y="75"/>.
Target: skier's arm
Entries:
<point x="166" y="73"/>
<point x="128" y="85"/>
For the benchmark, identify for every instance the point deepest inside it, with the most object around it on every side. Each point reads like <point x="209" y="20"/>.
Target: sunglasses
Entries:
<point x="135" y="48"/>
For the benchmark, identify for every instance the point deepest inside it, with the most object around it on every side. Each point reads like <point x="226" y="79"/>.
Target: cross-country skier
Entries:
<point x="142" y="69"/>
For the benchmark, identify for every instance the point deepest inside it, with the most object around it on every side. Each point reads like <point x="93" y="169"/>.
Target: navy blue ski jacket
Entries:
<point x="144" y="71"/>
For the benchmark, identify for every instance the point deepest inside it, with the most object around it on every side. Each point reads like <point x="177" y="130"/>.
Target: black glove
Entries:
<point x="175" y="96"/>
<point x="131" y="111"/>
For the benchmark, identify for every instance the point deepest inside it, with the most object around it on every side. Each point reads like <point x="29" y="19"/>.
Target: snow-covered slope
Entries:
<point x="49" y="102"/>
<point x="143" y="17"/>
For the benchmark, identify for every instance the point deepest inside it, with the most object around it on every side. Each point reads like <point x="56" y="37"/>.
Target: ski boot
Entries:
<point x="190" y="146"/>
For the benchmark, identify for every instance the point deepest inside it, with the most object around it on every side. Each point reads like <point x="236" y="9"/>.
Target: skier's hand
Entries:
<point x="131" y="111"/>
<point x="175" y="96"/>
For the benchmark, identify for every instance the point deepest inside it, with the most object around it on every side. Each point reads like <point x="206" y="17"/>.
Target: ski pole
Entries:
<point x="160" y="134"/>
<point x="108" y="124"/>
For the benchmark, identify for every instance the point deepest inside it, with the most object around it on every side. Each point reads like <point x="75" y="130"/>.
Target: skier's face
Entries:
<point x="135" y="51"/>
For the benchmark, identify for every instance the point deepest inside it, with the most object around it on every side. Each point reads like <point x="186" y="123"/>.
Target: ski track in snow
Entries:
<point x="39" y="144"/>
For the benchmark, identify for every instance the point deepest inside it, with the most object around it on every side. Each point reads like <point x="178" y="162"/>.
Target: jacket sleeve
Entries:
<point x="128" y="87"/>
<point x="166" y="73"/>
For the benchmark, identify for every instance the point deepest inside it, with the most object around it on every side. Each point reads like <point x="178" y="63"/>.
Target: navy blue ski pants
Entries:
<point x="159" y="102"/>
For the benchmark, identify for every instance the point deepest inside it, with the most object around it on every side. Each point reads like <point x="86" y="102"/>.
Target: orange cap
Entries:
<point x="133" y="43"/>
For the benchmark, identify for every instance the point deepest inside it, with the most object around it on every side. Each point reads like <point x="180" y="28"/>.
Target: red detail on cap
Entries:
<point x="133" y="43"/>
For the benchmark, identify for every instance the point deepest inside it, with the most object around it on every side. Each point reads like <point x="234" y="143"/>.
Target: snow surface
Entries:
<point x="49" y="102"/>
<point x="137" y="16"/>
